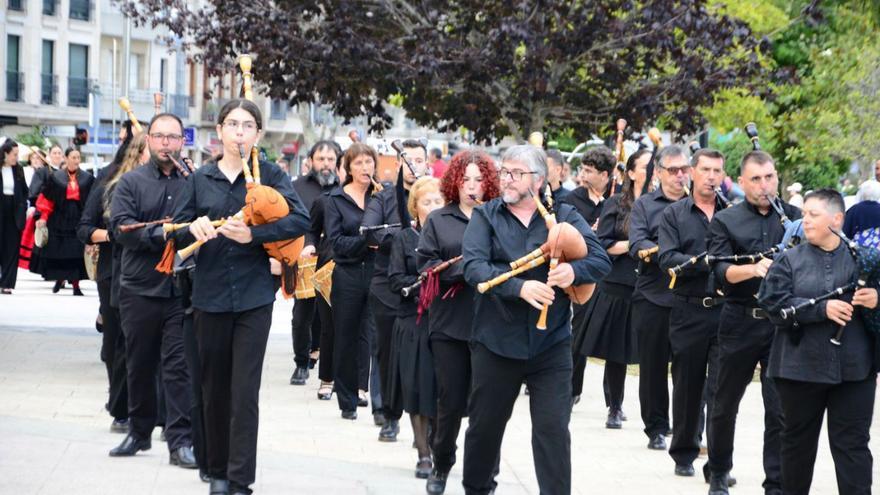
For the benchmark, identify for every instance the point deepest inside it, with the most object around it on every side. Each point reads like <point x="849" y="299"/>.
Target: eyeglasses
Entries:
<point x="677" y="170"/>
<point x="249" y="125"/>
<point x="173" y="138"/>
<point x="513" y="174"/>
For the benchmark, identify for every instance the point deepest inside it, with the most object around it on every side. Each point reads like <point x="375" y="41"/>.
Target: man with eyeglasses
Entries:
<point x="507" y="348"/>
<point x="150" y="305"/>
<point x="693" y="319"/>
<point x="652" y="298"/>
<point x="744" y="333"/>
<point x="384" y="209"/>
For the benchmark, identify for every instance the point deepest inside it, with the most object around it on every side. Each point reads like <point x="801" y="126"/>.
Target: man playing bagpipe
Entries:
<point x="823" y="354"/>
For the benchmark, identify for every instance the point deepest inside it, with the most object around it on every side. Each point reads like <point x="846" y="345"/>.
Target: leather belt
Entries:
<point x="706" y="302"/>
<point x="754" y="313"/>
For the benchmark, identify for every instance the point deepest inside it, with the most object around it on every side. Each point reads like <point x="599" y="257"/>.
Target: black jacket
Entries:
<point x="610" y="231"/>
<point x="403" y="269"/>
<point x="91" y="220"/>
<point x="308" y="189"/>
<point x="342" y="221"/>
<point x="381" y="210"/>
<point x="63" y="241"/>
<point x="19" y="198"/>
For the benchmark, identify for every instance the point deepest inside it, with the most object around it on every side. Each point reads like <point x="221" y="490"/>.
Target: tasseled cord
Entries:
<point x="166" y="263"/>
<point x="288" y="279"/>
<point x="427" y="292"/>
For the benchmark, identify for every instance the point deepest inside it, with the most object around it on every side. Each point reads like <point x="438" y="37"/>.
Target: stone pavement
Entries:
<point x="54" y="433"/>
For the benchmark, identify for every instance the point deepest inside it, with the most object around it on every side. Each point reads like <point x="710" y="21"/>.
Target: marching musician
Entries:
<point x="233" y="293"/>
<point x="588" y="198"/>
<point x="151" y="312"/>
<point x="652" y="299"/>
<point x="607" y="331"/>
<point x="384" y="209"/>
<point x="693" y="319"/>
<point x="507" y="348"/>
<point x="412" y="368"/>
<point x="305" y="322"/>
<point x="744" y="332"/>
<point x="352" y="315"/>
<point x="811" y="374"/>
<point x="470" y="179"/>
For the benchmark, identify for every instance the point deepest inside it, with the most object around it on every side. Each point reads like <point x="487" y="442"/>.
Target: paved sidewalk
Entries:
<point x="54" y="435"/>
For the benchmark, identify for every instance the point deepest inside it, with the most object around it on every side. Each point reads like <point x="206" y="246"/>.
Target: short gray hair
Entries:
<point x="531" y="156"/>
<point x="671" y="151"/>
<point x="869" y="191"/>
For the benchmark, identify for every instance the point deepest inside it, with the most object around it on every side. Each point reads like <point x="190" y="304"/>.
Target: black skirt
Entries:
<point x="606" y="331"/>
<point x="412" y="367"/>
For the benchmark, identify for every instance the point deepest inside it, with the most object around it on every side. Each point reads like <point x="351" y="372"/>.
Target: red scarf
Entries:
<point x="72" y="187"/>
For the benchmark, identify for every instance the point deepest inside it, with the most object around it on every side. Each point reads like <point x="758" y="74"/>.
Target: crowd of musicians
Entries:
<point x="422" y="314"/>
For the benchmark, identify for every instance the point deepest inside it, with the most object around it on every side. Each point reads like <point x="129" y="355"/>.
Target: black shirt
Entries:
<point x="452" y="316"/>
<point x="381" y="210"/>
<point x="92" y="219"/>
<point x="503" y="322"/>
<point x="797" y="275"/>
<point x="342" y="222"/>
<point x="610" y="231"/>
<point x="230" y="276"/>
<point x="315" y="236"/>
<point x="309" y="189"/>
<point x="682" y="235"/>
<point x="580" y="199"/>
<point x="403" y="269"/>
<point x="742" y="229"/>
<point x="644" y="226"/>
<point x="560" y="194"/>
<point x="142" y="195"/>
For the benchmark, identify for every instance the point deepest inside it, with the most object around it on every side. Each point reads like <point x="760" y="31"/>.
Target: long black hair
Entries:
<point x="628" y="193"/>
<point x="6" y="148"/>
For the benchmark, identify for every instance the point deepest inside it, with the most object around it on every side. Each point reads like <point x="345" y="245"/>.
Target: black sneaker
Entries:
<point x="299" y="377"/>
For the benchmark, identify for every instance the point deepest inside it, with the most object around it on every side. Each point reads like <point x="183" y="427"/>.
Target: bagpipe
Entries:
<point x="262" y="205"/>
<point x="868" y="261"/>
<point x="708" y="259"/>
<point x="564" y="243"/>
<point x="429" y="274"/>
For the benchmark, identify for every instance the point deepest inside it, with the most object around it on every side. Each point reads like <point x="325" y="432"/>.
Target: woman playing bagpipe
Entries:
<point x="607" y="331"/>
<point x="94" y="229"/>
<point x="233" y="290"/>
<point x="411" y="366"/>
<point x="811" y="374"/>
<point x="67" y="189"/>
<point x="470" y="180"/>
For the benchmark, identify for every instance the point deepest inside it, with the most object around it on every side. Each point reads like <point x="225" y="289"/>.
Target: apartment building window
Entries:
<point x="49" y="7"/>
<point x="80" y="9"/>
<point x="278" y="110"/>
<point x="16" y="5"/>
<point x="163" y="68"/>
<point x="78" y="77"/>
<point x="14" y="78"/>
<point x="48" y="83"/>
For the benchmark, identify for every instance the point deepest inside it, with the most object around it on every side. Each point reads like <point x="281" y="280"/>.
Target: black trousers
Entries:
<point x="652" y="325"/>
<point x="692" y="328"/>
<point x="496" y="384"/>
<point x="325" y="364"/>
<point x="305" y="330"/>
<point x="743" y="342"/>
<point x="850" y="407"/>
<point x="196" y="411"/>
<point x="9" y="245"/>
<point x="231" y="349"/>
<point x="352" y="322"/>
<point x="383" y="318"/>
<point x="452" y="370"/>
<point x="153" y="328"/>
<point x="113" y="353"/>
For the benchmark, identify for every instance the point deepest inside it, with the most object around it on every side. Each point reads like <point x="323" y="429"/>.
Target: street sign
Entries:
<point x="189" y="136"/>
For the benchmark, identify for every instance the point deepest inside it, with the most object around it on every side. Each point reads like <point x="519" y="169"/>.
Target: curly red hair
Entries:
<point x="453" y="178"/>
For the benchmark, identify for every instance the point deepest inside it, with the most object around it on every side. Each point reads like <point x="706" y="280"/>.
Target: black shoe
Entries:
<point x="389" y="431"/>
<point x="614" y="422"/>
<point x="362" y="399"/>
<point x="378" y="418"/>
<point x="658" y="442"/>
<point x="623" y="415"/>
<point x="349" y="415"/>
<point x="183" y="457"/>
<point x="437" y="482"/>
<point x="77" y="292"/>
<point x="684" y="469"/>
<point x="424" y="468"/>
<point x="718" y="484"/>
<point x="219" y="487"/>
<point x="119" y="426"/>
<point x="299" y="377"/>
<point x="203" y="475"/>
<point x="130" y="446"/>
<point x="323" y="393"/>
<point x="731" y="481"/>
<point x="57" y="286"/>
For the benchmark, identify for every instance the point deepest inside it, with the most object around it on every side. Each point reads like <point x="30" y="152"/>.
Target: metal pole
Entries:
<point x="126" y="53"/>
<point x="114" y="82"/>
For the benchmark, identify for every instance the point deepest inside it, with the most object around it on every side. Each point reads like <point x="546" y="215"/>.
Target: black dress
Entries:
<point x="607" y="332"/>
<point x="62" y="257"/>
<point x="412" y="367"/>
<point x="13" y="211"/>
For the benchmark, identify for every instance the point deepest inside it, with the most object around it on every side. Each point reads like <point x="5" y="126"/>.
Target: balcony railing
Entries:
<point x="48" y="89"/>
<point x="14" y="86"/>
<point x="81" y="10"/>
<point x="78" y="91"/>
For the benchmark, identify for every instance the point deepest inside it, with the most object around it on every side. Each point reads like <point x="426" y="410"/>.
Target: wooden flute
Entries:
<point x="135" y="226"/>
